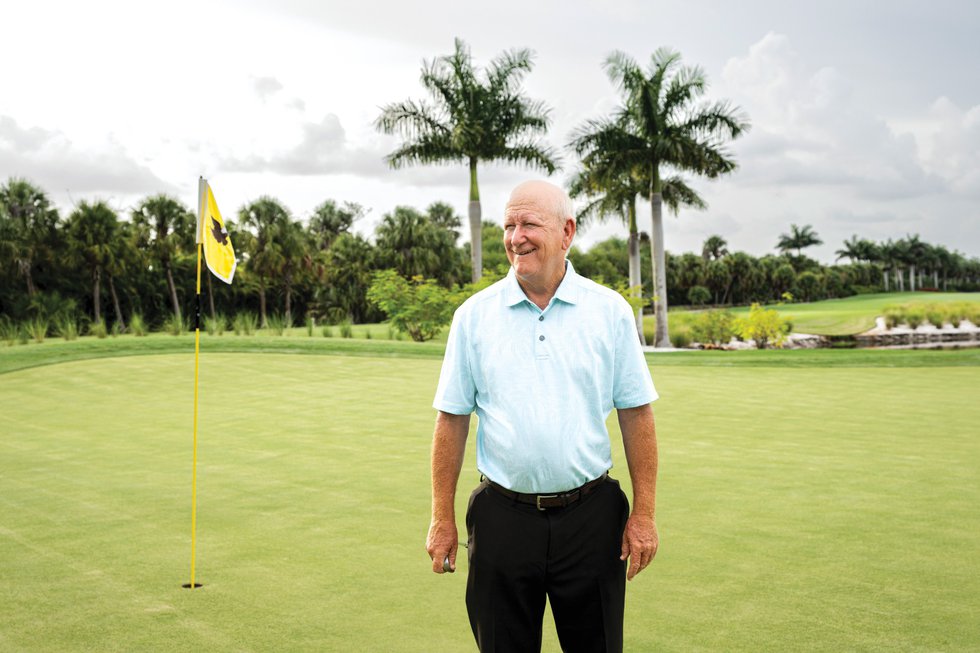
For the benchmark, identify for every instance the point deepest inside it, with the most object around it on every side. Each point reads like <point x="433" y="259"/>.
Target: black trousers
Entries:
<point x="518" y="555"/>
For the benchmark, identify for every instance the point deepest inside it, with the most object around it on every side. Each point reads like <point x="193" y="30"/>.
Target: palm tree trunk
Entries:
<point x="884" y="274"/>
<point x="173" y="290"/>
<point x="26" y="268"/>
<point x="115" y="305"/>
<point x="661" y="337"/>
<point x="636" y="281"/>
<point x="262" y="306"/>
<point x="289" y="300"/>
<point x="912" y="278"/>
<point x="96" y="294"/>
<point x="476" y="225"/>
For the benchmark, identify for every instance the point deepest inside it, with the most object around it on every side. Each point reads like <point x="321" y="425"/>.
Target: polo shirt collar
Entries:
<point x="568" y="289"/>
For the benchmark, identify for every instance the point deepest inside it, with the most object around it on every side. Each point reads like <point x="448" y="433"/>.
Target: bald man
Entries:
<point x="542" y="357"/>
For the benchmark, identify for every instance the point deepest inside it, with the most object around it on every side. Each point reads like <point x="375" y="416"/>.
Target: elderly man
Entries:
<point x="543" y="356"/>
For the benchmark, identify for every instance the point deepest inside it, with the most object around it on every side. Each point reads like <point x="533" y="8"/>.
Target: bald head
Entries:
<point x="543" y="194"/>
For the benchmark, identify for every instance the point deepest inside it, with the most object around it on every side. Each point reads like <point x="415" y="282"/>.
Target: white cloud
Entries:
<point x="266" y="87"/>
<point x="809" y="129"/>
<point x="52" y="160"/>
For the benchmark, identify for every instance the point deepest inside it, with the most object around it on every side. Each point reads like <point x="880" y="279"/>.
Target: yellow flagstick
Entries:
<point x="202" y="198"/>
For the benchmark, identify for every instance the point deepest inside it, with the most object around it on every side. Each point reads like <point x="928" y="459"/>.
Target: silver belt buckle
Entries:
<point x="544" y="496"/>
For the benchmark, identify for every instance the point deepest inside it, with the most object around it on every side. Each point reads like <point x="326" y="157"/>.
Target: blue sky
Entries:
<point x="866" y="116"/>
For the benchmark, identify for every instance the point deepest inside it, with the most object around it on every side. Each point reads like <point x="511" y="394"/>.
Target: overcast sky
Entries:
<point x="865" y="115"/>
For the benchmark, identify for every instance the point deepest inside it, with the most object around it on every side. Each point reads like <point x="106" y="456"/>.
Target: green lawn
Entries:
<point x="805" y="503"/>
<point x="832" y="317"/>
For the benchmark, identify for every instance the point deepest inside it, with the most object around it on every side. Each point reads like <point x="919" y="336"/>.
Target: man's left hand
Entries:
<point x="640" y="543"/>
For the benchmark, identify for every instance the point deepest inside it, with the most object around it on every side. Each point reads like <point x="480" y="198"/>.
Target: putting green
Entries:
<point x="800" y="508"/>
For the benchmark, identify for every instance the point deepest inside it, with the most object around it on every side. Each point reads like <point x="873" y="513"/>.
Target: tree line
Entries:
<point x="103" y="267"/>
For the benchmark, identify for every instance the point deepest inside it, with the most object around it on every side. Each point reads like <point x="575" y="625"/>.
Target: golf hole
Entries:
<point x="187" y="586"/>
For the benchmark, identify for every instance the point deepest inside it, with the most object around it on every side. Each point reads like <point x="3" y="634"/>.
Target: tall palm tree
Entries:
<point x="798" y="238"/>
<point x="92" y="230"/>
<point x="472" y="117"/>
<point x="916" y="255"/>
<point x="166" y="227"/>
<point x="612" y="195"/>
<point x="661" y="125"/>
<point x="27" y="227"/>
<point x="264" y="218"/>
<point x="857" y="250"/>
<point x="295" y="249"/>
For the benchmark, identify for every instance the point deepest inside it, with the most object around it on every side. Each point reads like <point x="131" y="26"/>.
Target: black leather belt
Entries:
<point x="546" y="501"/>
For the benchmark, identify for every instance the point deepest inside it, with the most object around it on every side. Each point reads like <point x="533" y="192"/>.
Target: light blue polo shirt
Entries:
<point x="542" y="383"/>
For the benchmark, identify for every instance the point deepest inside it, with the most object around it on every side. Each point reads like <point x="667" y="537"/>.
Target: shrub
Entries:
<point x="915" y="316"/>
<point x="245" y="323"/>
<point x="420" y="308"/>
<point x="346" y="331"/>
<point x="98" y="329"/>
<point x="136" y="325"/>
<point x="310" y="325"/>
<point x="175" y="326"/>
<point x="8" y="330"/>
<point x="698" y="295"/>
<point x="327" y="331"/>
<point x="68" y="328"/>
<point x="391" y="332"/>
<point x="764" y="326"/>
<point x="714" y="327"/>
<point x="215" y="326"/>
<point x="894" y="315"/>
<point x="116" y="329"/>
<point x="276" y="324"/>
<point x="680" y="339"/>
<point x="936" y="315"/>
<point x="38" y="328"/>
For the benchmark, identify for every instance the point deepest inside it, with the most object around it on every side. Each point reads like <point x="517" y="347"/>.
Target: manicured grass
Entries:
<point x="832" y="317"/>
<point x="86" y="348"/>
<point x="812" y="508"/>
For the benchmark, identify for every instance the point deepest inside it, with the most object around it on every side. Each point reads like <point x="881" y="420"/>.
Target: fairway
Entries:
<point x="800" y="508"/>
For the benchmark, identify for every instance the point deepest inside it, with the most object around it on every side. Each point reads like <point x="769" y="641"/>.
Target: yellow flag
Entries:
<point x="218" y="252"/>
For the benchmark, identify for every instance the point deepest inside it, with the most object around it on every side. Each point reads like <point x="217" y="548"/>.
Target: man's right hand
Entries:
<point x="443" y="540"/>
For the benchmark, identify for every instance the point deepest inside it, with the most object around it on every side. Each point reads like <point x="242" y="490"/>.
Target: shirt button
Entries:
<point x="540" y="337"/>
<point x="541" y="319"/>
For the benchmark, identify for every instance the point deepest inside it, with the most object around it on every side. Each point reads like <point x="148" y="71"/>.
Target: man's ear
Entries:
<point x="569" y="234"/>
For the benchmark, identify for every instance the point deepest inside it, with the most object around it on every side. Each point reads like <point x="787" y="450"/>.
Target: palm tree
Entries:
<point x="294" y="248"/>
<point x="613" y="196"/>
<point x="263" y="218"/>
<point x="471" y="120"/>
<point x="92" y="230"/>
<point x="798" y="238"/>
<point x="663" y="124"/>
<point x="857" y="249"/>
<point x="715" y="247"/>
<point x="915" y="253"/>
<point x="413" y="244"/>
<point x="613" y="191"/>
<point x="28" y="232"/>
<point x="329" y="221"/>
<point x="165" y="226"/>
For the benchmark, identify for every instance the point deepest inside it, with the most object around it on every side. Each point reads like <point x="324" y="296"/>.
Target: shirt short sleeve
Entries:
<point x="456" y="393"/>
<point x="632" y="385"/>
